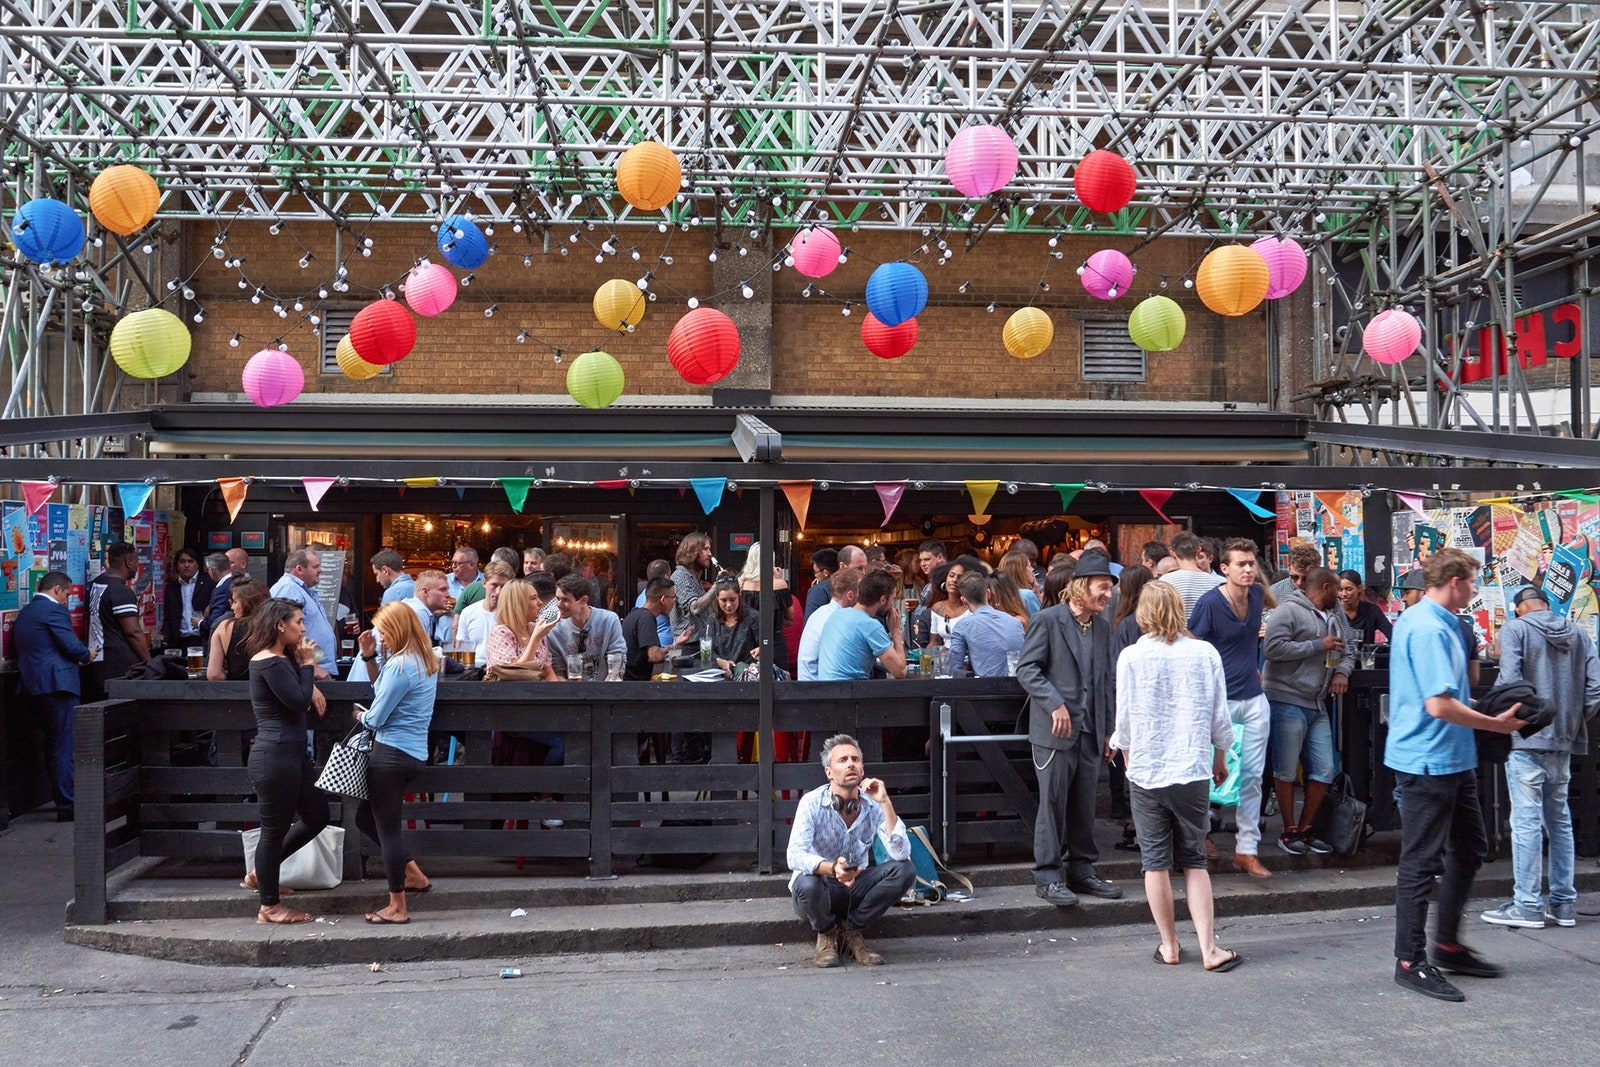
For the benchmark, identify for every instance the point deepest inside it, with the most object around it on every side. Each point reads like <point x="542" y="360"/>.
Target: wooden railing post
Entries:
<point x="600" y="790"/>
<point x="88" y="905"/>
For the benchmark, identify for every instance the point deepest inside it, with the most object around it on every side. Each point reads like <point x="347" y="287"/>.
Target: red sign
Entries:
<point x="1534" y="345"/>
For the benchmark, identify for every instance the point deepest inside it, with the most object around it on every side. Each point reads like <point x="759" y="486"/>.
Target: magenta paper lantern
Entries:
<point x="815" y="252"/>
<point x="273" y="377"/>
<point x="1286" y="264"/>
<point x="1104" y="181"/>
<point x="430" y="289"/>
<point x="704" y="346"/>
<point x="888" y="342"/>
<point x="980" y="160"/>
<point x="1107" y="274"/>
<point x="1391" y="336"/>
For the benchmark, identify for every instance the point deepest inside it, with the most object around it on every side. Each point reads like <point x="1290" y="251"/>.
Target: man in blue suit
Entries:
<point x="48" y="654"/>
<point x="223" y="568"/>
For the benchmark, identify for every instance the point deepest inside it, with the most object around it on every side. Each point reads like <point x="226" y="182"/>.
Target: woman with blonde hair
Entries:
<point x="1174" y="731"/>
<point x="782" y="601"/>
<point x="517" y="636"/>
<point x="399" y="716"/>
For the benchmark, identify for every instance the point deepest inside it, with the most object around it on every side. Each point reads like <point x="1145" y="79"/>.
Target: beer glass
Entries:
<point x="197" y="660"/>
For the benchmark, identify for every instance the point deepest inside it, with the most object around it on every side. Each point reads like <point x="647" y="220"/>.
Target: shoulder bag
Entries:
<point x="345" y="772"/>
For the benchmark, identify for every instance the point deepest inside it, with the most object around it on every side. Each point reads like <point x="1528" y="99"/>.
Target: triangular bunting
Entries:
<point x="1068" y="491"/>
<point x="1333" y="500"/>
<point x="421" y="483"/>
<point x="982" y="493"/>
<point x="133" y="496"/>
<point x="516" y="492"/>
<point x="1157" y="499"/>
<point x="233" y="491"/>
<point x="315" y="488"/>
<point x="1249" y="498"/>
<point x="709" y="490"/>
<point x="461" y="492"/>
<point x="36" y="494"/>
<point x="1414" y="502"/>
<point x="799" y="494"/>
<point x="889" y="494"/>
<point x="612" y="483"/>
<point x="1570" y="494"/>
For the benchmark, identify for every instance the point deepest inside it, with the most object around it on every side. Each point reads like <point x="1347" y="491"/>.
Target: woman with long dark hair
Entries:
<point x="229" y="660"/>
<point x="734" y="628"/>
<point x="282" y="663"/>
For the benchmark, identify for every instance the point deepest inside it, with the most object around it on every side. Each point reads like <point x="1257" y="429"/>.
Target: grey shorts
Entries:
<point x="1172" y="822"/>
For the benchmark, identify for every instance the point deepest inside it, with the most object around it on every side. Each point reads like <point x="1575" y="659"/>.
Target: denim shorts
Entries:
<point x="1301" y="732"/>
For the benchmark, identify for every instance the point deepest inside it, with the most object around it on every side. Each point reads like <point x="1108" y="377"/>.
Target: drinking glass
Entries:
<point x="941" y="662"/>
<point x="1369" y="657"/>
<point x="1012" y="659"/>
<point x="467" y="656"/>
<point x="197" y="660"/>
<point x="574" y="668"/>
<point x="614" y="666"/>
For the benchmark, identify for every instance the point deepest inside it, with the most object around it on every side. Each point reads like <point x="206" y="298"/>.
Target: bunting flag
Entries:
<point x="982" y="493"/>
<point x="799" y="495"/>
<point x="420" y="483"/>
<point x="133" y="495"/>
<point x="36" y="495"/>
<point x="1250" y="499"/>
<point x="461" y="492"/>
<point x="613" y="483"/>
<point x="889" y="494"/>
<point x="315" y="488"/>
<point x="1068" y="491"/>
<point x="1414" y="502"/>
<point x="233" y="490"/>
<point x="709" y="490"/>
<point x="1570" y="494"/>
<point x="516" y="492"/>
<point x="1333" y="500"/>
<point x="1157" y="499"/>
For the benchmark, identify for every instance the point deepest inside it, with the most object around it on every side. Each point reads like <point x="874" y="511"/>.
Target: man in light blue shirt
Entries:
<point x="390" y="571"/>
<point x="830" y="845"/>
<point x="301" y="572"/>
<point x="463" y="571"/>
<point x="432" y="594"/>
<point x="843" y="595"/>
<point x="984" y="635"/>
<point x="855" y="638"/>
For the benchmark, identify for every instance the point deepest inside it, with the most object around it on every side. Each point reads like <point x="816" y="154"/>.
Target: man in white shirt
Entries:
<point x="844" y="585"/>
<point x="1191" y="580"/>
<point x="477" y="619"/>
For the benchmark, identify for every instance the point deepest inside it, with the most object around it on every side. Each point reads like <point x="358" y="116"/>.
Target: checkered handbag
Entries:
<point x="345" y="772"/>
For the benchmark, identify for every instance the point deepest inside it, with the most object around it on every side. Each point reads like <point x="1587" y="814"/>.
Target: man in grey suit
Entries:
<point x="1068" y="669"/>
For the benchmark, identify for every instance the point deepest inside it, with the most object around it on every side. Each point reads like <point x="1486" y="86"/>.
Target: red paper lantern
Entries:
<point x="704" y="346"/>
<point x="1104" y="181"/>
<point x="383" y="332"/>
<point x="888" y="342"/>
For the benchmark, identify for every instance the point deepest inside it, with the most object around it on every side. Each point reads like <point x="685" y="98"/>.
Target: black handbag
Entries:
<point x="1342" y="819"/>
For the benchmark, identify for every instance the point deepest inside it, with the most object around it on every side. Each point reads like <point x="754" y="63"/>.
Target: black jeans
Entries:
<point x="285" y="785"/>
<point x="389" y="771"/>
<point x="826" y="902"/>
<point x="1440" y="833"/>
<point x="1063" y="833"/>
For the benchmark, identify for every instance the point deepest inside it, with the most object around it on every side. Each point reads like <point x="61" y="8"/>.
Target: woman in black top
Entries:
<point x="281" y="693"/>
<point x="229" y="659"/>
<point x="1366" y="619"/>
<point x="734" y="635"/>
<point x="782" y="602"/>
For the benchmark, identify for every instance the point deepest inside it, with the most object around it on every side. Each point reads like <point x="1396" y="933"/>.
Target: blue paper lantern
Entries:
<point x="896" y="292"/>
<point x="462" y="243"/>
<point x="47" y="231"/>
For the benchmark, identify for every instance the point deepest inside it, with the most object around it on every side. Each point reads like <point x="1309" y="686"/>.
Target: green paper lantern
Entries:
<point x="595" y="379"/>
<point x="1157" y="324"/>
<point x="150" y="344"/>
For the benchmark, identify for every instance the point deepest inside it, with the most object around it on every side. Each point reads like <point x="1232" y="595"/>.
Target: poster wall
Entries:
<point x="1332" y="522"/>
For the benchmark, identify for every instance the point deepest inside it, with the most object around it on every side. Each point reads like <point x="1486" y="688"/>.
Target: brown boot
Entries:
<point x="827" y="949"/>
<point x="852" y="942"/>
<point x="1250" y="865"/>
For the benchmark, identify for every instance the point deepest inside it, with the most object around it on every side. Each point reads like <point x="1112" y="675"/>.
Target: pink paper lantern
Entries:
<point x="430" y="289"/>
<point x="980" y="160"/>
<point x="1107" y="274"/>
<point x="272" y="378"/>
<point x="1286" y="264"/>
<point x="815" y="251"/>
<point x="1391" y="336"/>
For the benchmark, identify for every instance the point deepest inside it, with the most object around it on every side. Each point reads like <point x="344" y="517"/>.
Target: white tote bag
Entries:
<point x="319" y="864"/>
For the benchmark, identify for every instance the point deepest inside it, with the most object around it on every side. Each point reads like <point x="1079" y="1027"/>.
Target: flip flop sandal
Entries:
<point x="378" y="920"/>
<point x="1166" y="962"/>
<point x="1233" y="960"/>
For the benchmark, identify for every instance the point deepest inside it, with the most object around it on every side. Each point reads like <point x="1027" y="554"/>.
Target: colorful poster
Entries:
<point x="1569" y="567"/>
<point x="1523" y="555"/>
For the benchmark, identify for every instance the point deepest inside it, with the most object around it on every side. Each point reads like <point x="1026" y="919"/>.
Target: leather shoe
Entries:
<point x="1058" y="894"/>
<point x="827" y="954"/>
<point x="1095" y="886"/>
<point x="1243" y="861"/>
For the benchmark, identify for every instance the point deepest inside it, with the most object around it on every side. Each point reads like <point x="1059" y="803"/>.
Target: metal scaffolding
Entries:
<point x="1424" y="151"/>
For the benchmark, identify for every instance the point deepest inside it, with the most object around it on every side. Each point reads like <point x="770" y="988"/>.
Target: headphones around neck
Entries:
<point x="844" y="805"/>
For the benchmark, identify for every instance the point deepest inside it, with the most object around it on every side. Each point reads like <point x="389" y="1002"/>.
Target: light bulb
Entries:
<point x="746" y="292"/>
<point x="694" y="302"/>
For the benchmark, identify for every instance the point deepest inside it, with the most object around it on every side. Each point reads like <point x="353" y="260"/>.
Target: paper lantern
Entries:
<point x="1157" y="324"/>
<point x="704" y="346"/>
<point x="150" y="344"/>
<point x="272" y="377"/>
<point x="462" y="243"/>
<point x="980" y="160"/>
<point x="619" y="303"/>
<point x="896" y="292"/>
<point x="430" y="289"/>
<point x="595" y="379"/>
<point x="383" y="332"/>
<point x="1391" y="336"/>
<point x="1107" y="274"/>
<point x="1104" y="181"/>
<point x="47" y="231"/>
<point x="649" y="176"/>
<point x="1028" y="332"/>
<point x="352" y="365"/>
<point x="815" y="252"/>
<point x="124" y="199"/>
<point x="1232" y="280"/>
<point x="888" y="342"/>
<point x="1286" y="264"/>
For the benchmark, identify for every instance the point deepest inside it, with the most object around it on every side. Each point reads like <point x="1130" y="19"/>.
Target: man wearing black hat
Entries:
<point x="1554" y="655"/>
<point x="1069" y="671"/>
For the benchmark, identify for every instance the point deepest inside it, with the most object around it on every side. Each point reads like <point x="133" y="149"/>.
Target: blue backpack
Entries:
<point x="928" y="888"/>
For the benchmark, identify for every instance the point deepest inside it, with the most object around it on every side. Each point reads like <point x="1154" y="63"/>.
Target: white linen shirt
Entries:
<point x="820" y="834"/>
<point x="1172" y="709"/>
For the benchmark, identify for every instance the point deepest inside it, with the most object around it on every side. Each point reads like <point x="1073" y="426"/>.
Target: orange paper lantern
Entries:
<point x="124" y="199"/>
<point x="649" y="176"/>
<point x="1232" y="280"/>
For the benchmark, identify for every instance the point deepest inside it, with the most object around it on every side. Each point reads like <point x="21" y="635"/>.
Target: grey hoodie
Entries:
<point x="1296" y="669"/>
<point x="1557" y="657"/>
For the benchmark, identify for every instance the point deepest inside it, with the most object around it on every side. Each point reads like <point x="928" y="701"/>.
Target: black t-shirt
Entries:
<point x="640" y="634"/>
<point x="1369" y="622"/>
<point x="111" y="601"/>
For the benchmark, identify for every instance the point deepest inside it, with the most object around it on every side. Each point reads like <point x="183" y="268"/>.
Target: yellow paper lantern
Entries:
<point x="124" y="199"/>
<point x="1233" y="280"/>
<point x="619" y="303"/>
<point x="351" y="364"/>
<point x="1028" y="332"/>
<point x="150" y="344"/>
<point x="649" y="176"/>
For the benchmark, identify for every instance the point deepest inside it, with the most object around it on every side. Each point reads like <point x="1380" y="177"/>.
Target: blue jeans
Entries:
<point x="1537" y="783"/>
<point x="1301" y="733"/>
